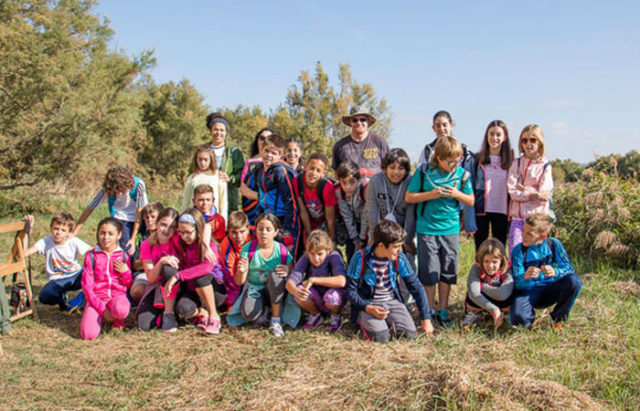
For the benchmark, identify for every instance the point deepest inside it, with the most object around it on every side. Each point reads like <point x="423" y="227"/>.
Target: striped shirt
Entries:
<point x="383" y="290"/>
<point x="125" y="208"/>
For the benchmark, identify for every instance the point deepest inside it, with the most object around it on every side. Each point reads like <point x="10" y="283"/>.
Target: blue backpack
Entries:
<point x="132" y="196"/>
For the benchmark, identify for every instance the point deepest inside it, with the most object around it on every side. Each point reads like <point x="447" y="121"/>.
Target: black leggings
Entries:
<point x="499" y="227"/>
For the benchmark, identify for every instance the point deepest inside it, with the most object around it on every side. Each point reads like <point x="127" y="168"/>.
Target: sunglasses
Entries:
<point x="360" y="119"/>
<point x="531" y="140"/>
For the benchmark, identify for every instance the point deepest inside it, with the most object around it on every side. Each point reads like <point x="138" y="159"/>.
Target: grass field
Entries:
<point x="593" y="364"/>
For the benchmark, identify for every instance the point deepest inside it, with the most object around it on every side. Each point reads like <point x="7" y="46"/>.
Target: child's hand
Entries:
<point x="169" y="285"/>
<point x="410" y="247"/>
<point x="170" y="260"/>
<point x="544" y="195"/>
<point x="302" y="293"/>
<point x="30" y="219"/>
<point x="498" y="318"/>
<point x="451" y="191"/>
<point x="282" y="270"/>
<point x="108" y="317"/>
<point x="436" y="192"/>
<point x="548" y="271"/>
<point x="224" y="177"/>
<point x="427" y="326"/>
<point x="131" y="246"/>
<point x="120" y="267"/>
<point x="243" y="265"/>
<point x="210" y="256"/>
<point x="519" y="187"/>
<point x="377" y="312"/>
<point x="532" y="272"/>
<point x="357" y="244"/>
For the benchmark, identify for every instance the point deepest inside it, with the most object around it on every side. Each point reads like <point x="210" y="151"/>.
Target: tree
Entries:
<point x="173" y="116"/>
<point x="313" y="110"/>
<point x="66" y="102"/>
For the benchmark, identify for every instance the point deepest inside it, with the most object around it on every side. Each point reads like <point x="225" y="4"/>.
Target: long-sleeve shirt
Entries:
<point x="354" y="212"/>
<point x="384" y="198"/>
<point x="492" y="287"/>
<point x="538" y="255"/>
<point x="533" y="176"/>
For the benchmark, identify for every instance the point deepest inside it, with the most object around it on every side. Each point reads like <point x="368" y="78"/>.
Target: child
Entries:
<point x="276" y="193"/>
<point x="293" y="155"/>
<point x="264" y="264"/>
<point x="256" y="148"/>
<point x="530" y="182"/>
<point x="126" y="194"/>
<point x="154" y="256"/>
<point x="61" y="260"/>
<point x="239" y="235"/>
<point x="198" y="274"/>
<point x="317" y="281"/>
<point x="436" y="190"/>
<point x="372" y="286"/>
<point x="543" y="275"/>
<point x="105" y="281"/>
<point x="443" y="126"/>
<point x="489" y="171"/>
<point x="490" y="284"/>
<point x="203" y="199"/>
<point x="149" y="214"/>
<point x="385" y="196"/>
<point x="205" y="171"/>
<point x="316" y="196"/>
<point x="351" y="202"/>
<point x="250" y="206"/>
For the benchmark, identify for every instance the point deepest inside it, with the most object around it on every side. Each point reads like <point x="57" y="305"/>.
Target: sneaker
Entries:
<point x="335" y="323"/>
<point x="200" y="322"/>
<point x="443" y="317"/>
<point x="312" y="321"/>
<point x="276" y="330"/>
<point x="212" y="326"/>
<point x="470" y="319"/>
<point x="62" y="304"/>
<point x="263" y="319"/>
<point x="169" y="323"/>
<point x="77" y="303"/>
<point x="118" y="324"/>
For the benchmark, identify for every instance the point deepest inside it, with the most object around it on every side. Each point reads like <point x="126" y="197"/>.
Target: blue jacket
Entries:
<point x="276" y="195"/>
<point x="536" y="256"/>
<point x="479" y="184"/>
<point x="360" y="293"/>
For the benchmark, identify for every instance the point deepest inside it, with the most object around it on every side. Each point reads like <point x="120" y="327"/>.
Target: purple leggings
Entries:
<point x="333" y="296"/>
<point x="515" y="234"/>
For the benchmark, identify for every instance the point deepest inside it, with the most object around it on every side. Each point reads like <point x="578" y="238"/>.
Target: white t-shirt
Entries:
<point x="62" y="259"/>
<point x="125" y="208"/>
<point x="219" y="152"/>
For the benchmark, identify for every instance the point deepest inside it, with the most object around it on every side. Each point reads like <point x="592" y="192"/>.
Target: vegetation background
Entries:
<point x="70" y="108"/>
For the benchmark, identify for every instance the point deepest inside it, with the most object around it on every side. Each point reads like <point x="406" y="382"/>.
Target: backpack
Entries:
<point x="549" y="243"/>
<point x="423" y="174"/>
<point x="552" y="214"/>
<point x="249" y="206"/>
<point x="253" y="246"/>
<point x="289" y="174"/>
<point x="362" y="268"/>
<point x="132" y="195"/>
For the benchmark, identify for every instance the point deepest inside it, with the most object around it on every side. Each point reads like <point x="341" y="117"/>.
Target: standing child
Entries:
<point x="385" y="196"/>
<point x="293" y="155"/>
<point x="317" y="281"/>
<point x="105" y="281"/>
<point x="316" y="196"/>
<point x="126" y="195"/>
<point x="490" y="284"/>
<point x="373" y="289"/>
<point x="543" y="275"/>
<point x="249" y="205"/>
<point x="264" y="265"/>
<point x="530" y="182"/>
<point x="205" y="171"/>
<point x="351" y="202"/>
<point x="149" y="214"/>
<point x="203" y="199"/>
<point x="276" y="193"/>
<point x="436" y="188"/>
<point x="489" y="170"/>
<point x="239" y="235"/>
<point x="203" y="280"/>
<point x="61" y="260"/>
<point x="443" y="126"/>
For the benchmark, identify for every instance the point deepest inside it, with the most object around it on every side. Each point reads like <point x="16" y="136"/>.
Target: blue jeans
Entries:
<point x="51" y="293"/>
<point x="562" y="293"/>
<point x="127" y="228"/>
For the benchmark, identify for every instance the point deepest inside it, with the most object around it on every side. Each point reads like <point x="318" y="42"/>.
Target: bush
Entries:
<point x="597" y="218"/>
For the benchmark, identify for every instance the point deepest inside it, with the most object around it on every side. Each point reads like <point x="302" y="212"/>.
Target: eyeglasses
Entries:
<point x="360" y="119"/>
<point x="452" y="163"/>
<point x="186" y="232"/>
<point x="531" y="140"/>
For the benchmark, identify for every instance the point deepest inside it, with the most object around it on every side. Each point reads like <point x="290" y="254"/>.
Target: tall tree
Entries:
<point x="66" y="102"/>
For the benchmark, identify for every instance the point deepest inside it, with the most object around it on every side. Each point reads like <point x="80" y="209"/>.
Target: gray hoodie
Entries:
<point x="383" y="197"/>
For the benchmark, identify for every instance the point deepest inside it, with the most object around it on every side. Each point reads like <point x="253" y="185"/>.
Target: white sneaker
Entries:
<point x="470" y="319"/>
<point x="276" y="330"/>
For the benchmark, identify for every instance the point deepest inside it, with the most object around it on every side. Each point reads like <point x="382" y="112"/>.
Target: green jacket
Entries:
<point x="232" y="164"/>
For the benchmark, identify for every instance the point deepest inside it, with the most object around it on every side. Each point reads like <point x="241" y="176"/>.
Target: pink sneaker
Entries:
<point x="118" y="324"/>
<point x="212" y="326"/>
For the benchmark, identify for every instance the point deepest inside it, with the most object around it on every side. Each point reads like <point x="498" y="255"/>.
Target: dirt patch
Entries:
<point x="627" y="288"/>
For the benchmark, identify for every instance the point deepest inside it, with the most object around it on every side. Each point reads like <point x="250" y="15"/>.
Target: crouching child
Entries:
<point x="372" y="287"/>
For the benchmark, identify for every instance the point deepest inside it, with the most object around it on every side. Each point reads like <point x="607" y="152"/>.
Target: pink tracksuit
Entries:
<point x="105" y="289"/>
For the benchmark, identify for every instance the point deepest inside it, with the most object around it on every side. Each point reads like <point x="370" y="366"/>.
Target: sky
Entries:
<point x="573" y="67"/>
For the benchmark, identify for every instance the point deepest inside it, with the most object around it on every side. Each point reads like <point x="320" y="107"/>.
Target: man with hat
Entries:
<point x="364" y="148"/>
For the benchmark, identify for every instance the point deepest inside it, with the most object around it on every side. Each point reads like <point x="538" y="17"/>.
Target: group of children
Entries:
<point x="277" y="258"/>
